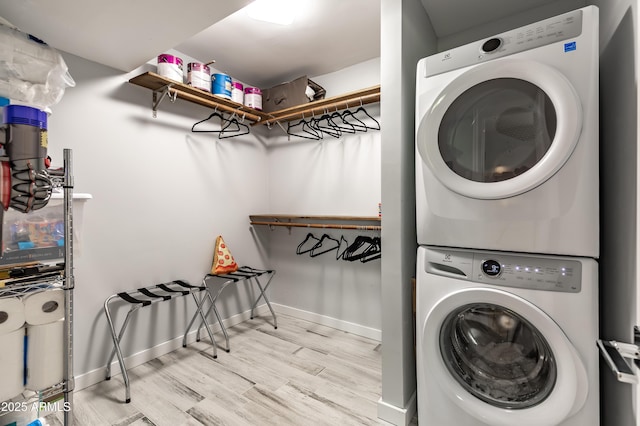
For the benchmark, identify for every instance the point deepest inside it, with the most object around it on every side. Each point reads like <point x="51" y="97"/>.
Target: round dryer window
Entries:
<point x="497" y="130"/>
<point x="498" y="356"/>
<point x="500" y="129"/>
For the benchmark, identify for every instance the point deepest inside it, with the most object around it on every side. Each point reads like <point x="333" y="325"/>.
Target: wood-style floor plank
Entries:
<point x="298" y="374"/>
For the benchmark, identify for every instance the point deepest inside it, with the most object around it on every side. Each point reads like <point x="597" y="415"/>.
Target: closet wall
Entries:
<point x="619" y="248"/>
<point x="332" y="176"/>
<point x="161" y="194"/>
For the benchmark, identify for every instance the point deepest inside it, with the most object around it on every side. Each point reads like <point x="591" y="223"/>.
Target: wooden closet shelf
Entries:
<point x="162" y="86"/>
<point x="158" y="84"/>
<point x="328" y="222"/>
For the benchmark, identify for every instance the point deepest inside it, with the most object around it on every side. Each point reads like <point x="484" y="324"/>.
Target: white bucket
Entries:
<point x="253" y="98"/>
<point x="237" y="92"/>
<point x="199" y="76"/>
<point x="170" y="66"/>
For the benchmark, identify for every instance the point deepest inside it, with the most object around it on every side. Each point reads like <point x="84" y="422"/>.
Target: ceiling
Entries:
<point x="124" y="34"/>
<point x="323" y="38"/>
<point x="327" y="36"/>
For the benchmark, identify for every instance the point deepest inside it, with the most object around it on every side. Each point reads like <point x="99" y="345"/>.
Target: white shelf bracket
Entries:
<point x="159" y="95"/>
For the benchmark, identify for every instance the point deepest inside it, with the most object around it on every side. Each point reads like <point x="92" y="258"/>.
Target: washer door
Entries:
<point x="500" y="129"/>
<point x="503" y="360"/>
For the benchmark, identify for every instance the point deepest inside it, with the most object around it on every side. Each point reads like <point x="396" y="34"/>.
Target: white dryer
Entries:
<point x="507" y="140"/>
<point x="506" y="339"/>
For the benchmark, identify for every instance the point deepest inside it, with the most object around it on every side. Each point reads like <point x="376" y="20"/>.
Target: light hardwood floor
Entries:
<point x="299" y="374"/>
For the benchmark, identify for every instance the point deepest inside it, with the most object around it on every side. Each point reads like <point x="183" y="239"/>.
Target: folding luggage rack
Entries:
<point x="148" y="296"/>
<point x="243" y="273"/>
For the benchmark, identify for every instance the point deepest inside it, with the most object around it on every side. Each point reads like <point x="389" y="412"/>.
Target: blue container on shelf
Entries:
<point x="221" y="85"/>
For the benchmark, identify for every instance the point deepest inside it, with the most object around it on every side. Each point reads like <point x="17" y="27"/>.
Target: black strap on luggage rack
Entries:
<point x="147" y="296"/>
<point x="243" y="273"/>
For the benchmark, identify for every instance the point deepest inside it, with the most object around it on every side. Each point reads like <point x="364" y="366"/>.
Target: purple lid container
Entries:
<point x="22" y="114"/>
<point x="236" y="85"/>
<point x="253" y="90"/>
<point x="169" y="59"/>
<point x="197" y="66"/>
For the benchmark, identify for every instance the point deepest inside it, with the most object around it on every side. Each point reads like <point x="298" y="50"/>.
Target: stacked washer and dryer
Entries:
<point x="508" y="228"/>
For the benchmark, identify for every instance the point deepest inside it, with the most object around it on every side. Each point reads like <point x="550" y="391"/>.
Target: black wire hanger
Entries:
<point x="373" y="252"/>
<point x="342" y="247"/>
<point x="325" y="124"/>
<point x="340" y="123"/>
<point x="363" y="247"/>
<point x="307" y="244"/>
<point x="306" y="131"/>
<point x="373" y="126"/>
<point x="214" y="114"/>
<point x="325" y="245"/>
<point x="348" y="117"/>
<point x="239" y="128"/>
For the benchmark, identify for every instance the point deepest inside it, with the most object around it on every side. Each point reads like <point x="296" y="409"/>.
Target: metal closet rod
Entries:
<point x="319" y="225"/>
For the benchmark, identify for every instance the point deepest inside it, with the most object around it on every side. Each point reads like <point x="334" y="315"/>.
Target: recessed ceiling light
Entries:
<point x="280" y="12"/>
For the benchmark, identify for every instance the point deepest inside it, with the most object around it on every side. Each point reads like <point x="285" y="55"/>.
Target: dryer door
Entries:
<point x="503" y="360"/>
<point x="500" y="128"/>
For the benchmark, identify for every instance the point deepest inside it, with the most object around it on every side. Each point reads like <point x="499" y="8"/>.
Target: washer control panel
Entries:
<point x="528" y="272"/>
<point x="548" y="273"/>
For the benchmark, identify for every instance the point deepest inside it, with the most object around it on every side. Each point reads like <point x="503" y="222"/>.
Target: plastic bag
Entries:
<point x="31" y="71"/>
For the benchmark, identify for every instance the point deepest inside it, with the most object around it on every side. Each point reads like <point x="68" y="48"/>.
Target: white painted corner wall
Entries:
<point x="161" y="195"/>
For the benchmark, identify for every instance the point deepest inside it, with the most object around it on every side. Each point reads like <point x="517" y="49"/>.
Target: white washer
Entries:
<point x="507" y="140"/>
<point x="506" y="339"/>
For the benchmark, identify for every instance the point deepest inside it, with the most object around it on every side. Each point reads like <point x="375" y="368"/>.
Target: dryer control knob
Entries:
<point x="491" y="45"/>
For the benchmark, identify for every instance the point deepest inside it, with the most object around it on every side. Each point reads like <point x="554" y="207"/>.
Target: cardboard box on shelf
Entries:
<point x="290" y="94"/>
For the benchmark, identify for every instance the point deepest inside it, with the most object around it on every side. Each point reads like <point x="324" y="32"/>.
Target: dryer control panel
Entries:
<point x="547" y="273"/>
<point x="552" y="30"/>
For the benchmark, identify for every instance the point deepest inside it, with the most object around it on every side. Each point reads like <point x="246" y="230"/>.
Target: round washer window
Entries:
<point x="497" y="129"/>
<point x="498" y="356"/>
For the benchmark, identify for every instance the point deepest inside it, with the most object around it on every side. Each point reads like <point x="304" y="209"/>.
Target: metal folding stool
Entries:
<point x="145" y="297"/>
<point x="243" y="273"/>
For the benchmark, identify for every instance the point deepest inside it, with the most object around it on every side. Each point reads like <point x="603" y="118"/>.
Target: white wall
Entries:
<point x="331" y="176"/>
<point x="161" y="195"/>
<point x="407" y="36"/>
<point x="619" y="196"/>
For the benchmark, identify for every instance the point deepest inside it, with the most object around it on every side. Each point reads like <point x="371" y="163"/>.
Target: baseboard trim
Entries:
<point x="396" y="415"/>
<point x="96" y="376"/>
<point x="347" y="326"/>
